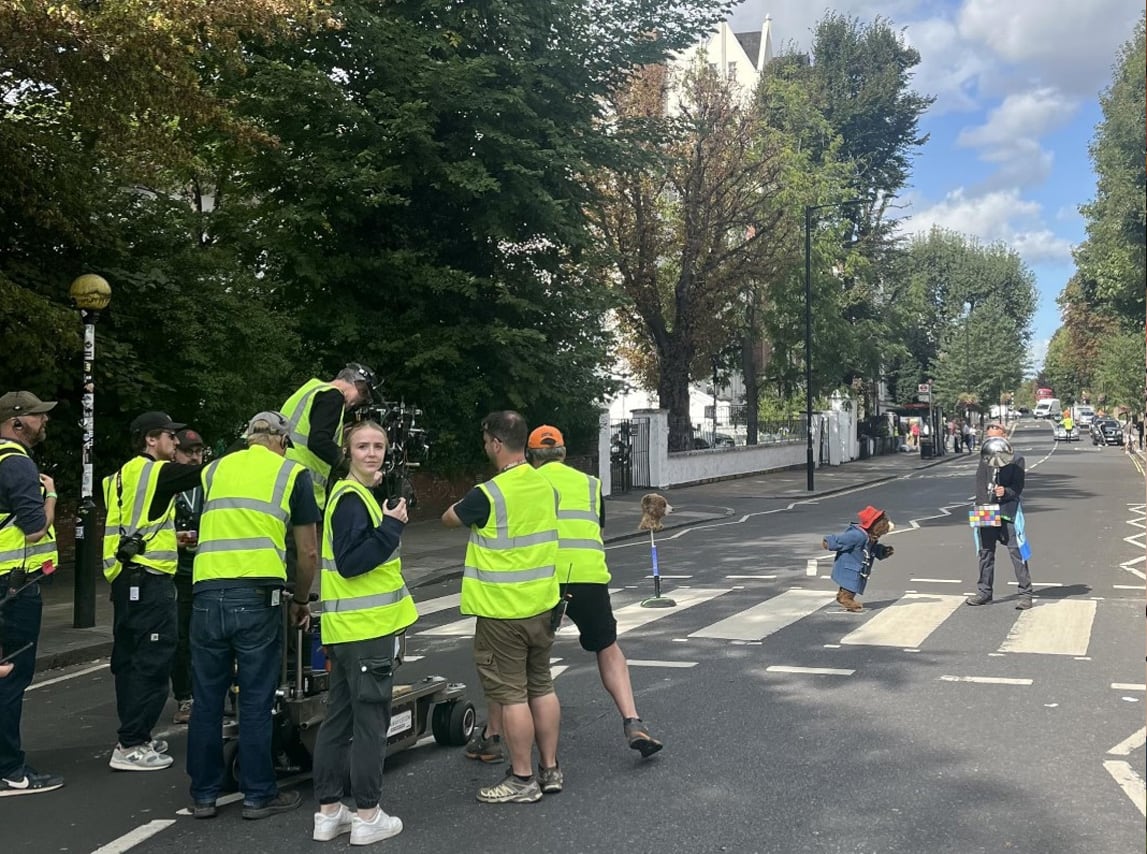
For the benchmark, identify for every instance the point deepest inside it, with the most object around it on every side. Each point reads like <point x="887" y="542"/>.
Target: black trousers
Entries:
<point x="181" y="669"/>
<point x="144" y="636"/>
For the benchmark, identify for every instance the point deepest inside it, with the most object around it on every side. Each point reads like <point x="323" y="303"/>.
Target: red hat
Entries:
<point x="869" y="516"/>
<point x="546" y="437"/>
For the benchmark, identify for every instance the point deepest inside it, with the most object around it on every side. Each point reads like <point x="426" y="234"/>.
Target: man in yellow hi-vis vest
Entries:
<point x="316" y="412"/>
<point x="252" y="501"/>
<point x="27" y="545"/>
<point x="585" y="576"/>
<point x="140" y="558"/>
<point x="510" y="584"/>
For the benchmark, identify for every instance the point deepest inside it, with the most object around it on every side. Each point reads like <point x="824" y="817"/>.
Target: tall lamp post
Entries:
<point x="810" y="463"/>
<point x="91" y="295"/>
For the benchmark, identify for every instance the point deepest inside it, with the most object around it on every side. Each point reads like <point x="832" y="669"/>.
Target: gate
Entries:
<point x="621" y="456"/>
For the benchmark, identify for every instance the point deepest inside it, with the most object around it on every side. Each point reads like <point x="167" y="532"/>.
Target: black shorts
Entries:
<point x="590" y="611"/>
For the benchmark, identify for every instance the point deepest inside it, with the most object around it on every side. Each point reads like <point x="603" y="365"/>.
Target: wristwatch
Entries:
<point x="299" y="601"/>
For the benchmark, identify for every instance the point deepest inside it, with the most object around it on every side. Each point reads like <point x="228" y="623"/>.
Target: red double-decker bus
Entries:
<point x="1044" y="394"/>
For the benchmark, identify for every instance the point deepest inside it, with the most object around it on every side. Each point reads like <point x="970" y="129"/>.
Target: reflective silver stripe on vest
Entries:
<point x="509" y="576"/>
<point x="592" y="545"/>
<point x="293" y="422"/>
<point x="40" y="548"/>
<point x="329" y="563"/>
<point x="241" y="544"/>
<point x="364" y="603"/>
<point x="578" y="516"/>
<point x="502" y="541"/>
<point x="135" y="524"/>
<point x="171" y="556"/>
<point x="109" y="562"/>
<point x="274" y="507"/>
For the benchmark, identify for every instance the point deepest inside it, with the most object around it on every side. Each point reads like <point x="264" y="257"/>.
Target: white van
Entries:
<point x="1049" y="407"/>
<point x="1083" y="414"/>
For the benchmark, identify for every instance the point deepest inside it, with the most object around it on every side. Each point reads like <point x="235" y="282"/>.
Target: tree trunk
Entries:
<point x="673" y="394"/>
<point x="752" y="388"/>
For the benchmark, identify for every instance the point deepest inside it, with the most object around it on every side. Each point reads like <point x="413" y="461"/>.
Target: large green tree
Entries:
<point x="1111" y="260"/>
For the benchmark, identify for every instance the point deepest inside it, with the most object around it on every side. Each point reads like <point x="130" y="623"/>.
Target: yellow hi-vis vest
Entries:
<point x="246" y="514"/>
<point x="297" y="411"/>
<point x="127" y="495"/>
<point x="15" y="550"/>
<point x="371" y="605"/>
<point x="581" y="553"/>
<point x="510" y="560"/>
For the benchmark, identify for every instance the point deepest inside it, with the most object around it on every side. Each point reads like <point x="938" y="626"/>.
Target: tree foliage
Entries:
<point x="1111" y="260"/>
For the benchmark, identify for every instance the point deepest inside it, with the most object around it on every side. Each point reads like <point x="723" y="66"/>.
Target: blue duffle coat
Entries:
<point x="855" y="554"/>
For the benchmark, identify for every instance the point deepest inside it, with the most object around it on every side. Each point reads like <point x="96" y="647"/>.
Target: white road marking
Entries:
<point x="663" y="575"/>
<point x="1129" y="587"/>
<point x="811" y="671"/>
<point x="463" y="628"/>
<point x="634" y="616"/>
<point x="439" y="603"/>
<point x="1128" y="686"/>
<point x="762" y="577"/>
<point x="906" y="623"/>
<point x="986" y="680"/>
<point x="411" y="658"/>
<point x="1053" y="628"/>
<point x="555" y="672"/>
<point x="939" y="580"/>
<point x="1130" y="782"/>
<point x="640" y="662"/>
<point x="67" y="676"/>
<point x="133" y="838"/>
<point x="1039" y="584"/>
<point x="1132" y="742"/>
<point x="767" y="617"/>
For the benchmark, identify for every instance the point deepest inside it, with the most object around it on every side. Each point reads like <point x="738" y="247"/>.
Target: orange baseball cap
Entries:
<point x="546" y="437"/>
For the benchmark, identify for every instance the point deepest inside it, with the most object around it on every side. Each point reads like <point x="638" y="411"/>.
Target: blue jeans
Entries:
<point x="20" y="624"/>
<point x="231" y="628"/>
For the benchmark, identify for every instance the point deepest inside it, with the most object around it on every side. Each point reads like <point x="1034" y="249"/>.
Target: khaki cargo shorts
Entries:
<point x="513" y="658"/>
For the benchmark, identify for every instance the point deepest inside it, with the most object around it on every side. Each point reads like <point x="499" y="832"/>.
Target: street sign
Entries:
<point x="923" y="388"/>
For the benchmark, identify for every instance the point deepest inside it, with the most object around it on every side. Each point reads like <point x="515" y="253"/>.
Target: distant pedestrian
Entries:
<point x="1139" y="430"/>
<point x="914" y="431"/>
<point x="969" y="437"/>
<point x="856" y="549"/>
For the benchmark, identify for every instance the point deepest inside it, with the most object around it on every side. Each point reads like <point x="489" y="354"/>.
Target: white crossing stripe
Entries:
<point x="811" y="671"/>
<point x="770" y="616"/>
<point x="1130" y="782"/>
<point x="634" y="616"/>
<point x="639" y="662"/>
<point x="440" y="603"/>
<point x="1129" y="686"/>
<point x="1053" y="628"/>
<point x="557" y="670"/>
<point x="907" y="623"/>
<point x="1132" y="742"/>
<point x="135" y="837"/>
<point x="463" y="628"/>
<point x="986" y="680"/>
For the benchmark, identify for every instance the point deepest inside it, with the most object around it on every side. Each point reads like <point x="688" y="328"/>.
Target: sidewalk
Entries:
<point x="431" y="553"/>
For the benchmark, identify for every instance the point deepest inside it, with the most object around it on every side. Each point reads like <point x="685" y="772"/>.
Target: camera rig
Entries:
<point x="409" y="445"/>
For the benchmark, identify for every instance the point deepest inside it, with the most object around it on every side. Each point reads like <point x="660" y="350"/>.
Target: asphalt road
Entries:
<point x="920" y="725"/>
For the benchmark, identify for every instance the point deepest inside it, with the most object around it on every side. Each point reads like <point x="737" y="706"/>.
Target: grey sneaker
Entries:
<point x="485" y="748"/>
<point x="29" y="783"/>
<point x="511" y="791"/>
<point x="142" y="757"/>
<point x="978" y="599"/>
<point x="550" y="779"/>
<point x="1024" y="603"/>
<point x="159" y="745"/>
<point x="637" y="734"/>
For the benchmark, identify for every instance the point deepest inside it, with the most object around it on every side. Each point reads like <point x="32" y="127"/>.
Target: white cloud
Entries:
<point x="996" y="216"/>
<point x="1064" y="42"/>
<point x="1010" y="135"/>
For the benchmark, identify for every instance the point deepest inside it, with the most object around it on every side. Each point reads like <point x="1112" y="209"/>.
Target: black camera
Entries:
<point x="130" y="547"/>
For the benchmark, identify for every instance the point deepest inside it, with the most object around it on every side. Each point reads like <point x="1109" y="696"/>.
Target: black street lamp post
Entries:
<point x="810" y="463"/>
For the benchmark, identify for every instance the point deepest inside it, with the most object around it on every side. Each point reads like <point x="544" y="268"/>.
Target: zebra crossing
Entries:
<point x="1060" y="627"/>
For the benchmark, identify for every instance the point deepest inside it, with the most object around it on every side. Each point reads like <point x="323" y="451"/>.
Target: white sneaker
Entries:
<point x="142" y="757"/>
<point x="328" y="827"/>
<point x="382" y="827"/>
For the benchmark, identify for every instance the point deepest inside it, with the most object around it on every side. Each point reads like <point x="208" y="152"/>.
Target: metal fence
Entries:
<point x="628" y="455"/>
<point x="768" y="433"/>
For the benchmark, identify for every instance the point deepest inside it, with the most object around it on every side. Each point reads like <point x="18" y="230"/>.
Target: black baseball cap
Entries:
<point x="189" y="438"/>
<point x="151" y="421"/>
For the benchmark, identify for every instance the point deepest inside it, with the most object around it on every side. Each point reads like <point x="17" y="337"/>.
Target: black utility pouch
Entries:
<point x="374" y="680"/>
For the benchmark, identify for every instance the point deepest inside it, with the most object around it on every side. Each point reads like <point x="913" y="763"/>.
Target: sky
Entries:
<point x="1017" y="86"/>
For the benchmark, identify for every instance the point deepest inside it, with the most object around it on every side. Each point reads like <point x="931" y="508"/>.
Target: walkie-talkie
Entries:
<point x="559" y="610"/>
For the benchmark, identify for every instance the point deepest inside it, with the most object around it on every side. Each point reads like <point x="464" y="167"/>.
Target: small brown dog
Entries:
<point x="654" y="508"/>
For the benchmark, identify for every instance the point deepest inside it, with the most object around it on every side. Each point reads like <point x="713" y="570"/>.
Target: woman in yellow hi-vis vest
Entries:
<point x="365" y="606"/>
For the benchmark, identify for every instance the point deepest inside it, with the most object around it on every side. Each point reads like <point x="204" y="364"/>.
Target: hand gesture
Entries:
<point x="301" y="614"/>
<point x="397" y="512"/>
<point x="47" y="482"/>
<point x="999" y="492"/>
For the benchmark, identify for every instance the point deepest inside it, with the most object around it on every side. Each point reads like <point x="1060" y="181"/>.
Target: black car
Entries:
<point x="1106" y="431"/>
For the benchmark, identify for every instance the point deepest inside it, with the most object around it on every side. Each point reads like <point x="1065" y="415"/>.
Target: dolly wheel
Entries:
<point x="453" y="723"/>
<point x="231" y="765"/>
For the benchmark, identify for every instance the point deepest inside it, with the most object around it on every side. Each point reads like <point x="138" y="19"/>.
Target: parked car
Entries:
<point x="1062" y="434"/>
<point x="1106" y="431"/>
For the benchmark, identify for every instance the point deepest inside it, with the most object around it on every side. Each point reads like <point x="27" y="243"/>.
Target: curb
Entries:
<point x="77" y="655"/>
